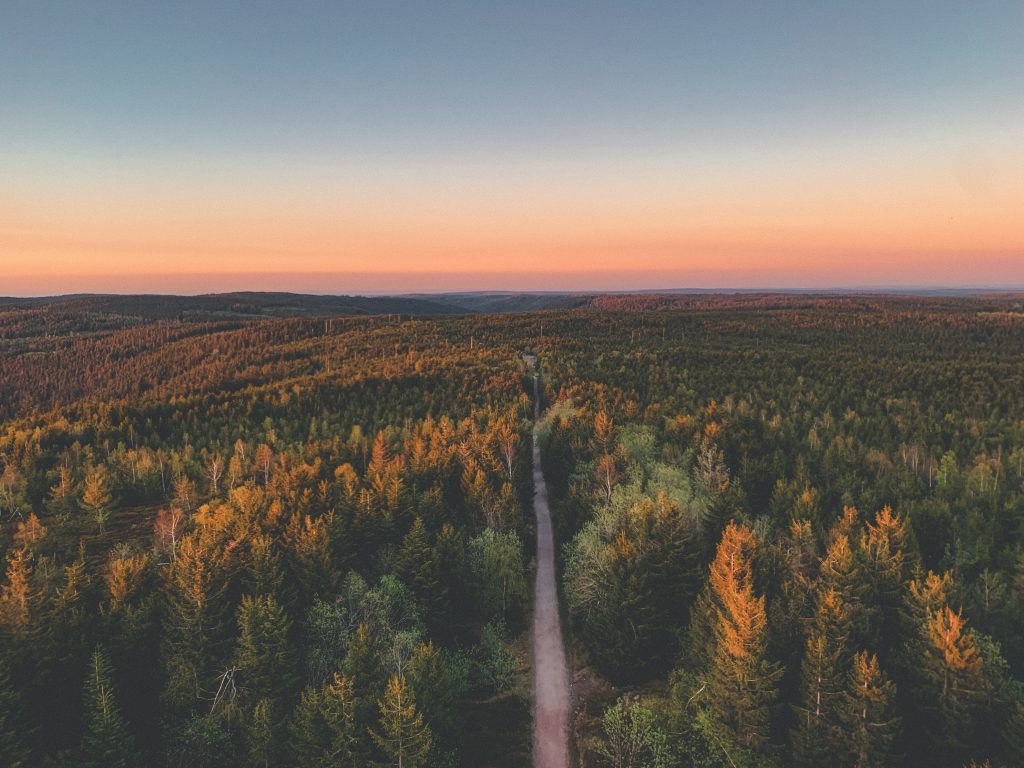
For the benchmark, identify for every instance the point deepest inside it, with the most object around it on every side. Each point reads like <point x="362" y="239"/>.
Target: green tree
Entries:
<point x="496" y="564"/>
<point x="264" y="655"/>
<point x="867" y="716"/>
<point x="106" y="740"/>
<point x="817" y="734"/>
<point x="13" y="749"/>
<point x="418" y="568"/>
<point x="97" y="495"/>
<point x="633" y="737"/>
<point x="403" y="738"/>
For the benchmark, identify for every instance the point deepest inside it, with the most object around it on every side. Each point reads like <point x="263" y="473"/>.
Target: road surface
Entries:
<point x="551" y="679"/>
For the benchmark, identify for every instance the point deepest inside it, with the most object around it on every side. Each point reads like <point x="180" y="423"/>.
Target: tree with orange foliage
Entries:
<point x="867" y="716"/>
<point x="741" y="680"/>
<point x="16" y="595"/>
<point x="97" y="495"/>
<point x="887" y="567"/>
<point x="949" y="686"/>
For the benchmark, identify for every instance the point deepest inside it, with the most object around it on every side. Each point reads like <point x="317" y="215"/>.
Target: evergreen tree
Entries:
<point x="418" y="567"/>
<point x="817" y="733"/>
<point x="339" y="712"/>
<point x="886" y="570"/>
<point x="13" y="749"/>
<point x="195" y="622"/>
<point x="741" y="680"/>
<point x="867" y="716"/>
<point x="97" y="495"/>
<point x="404" y="739"/>
<point x="264" y="655"/>
<point x="260" y="737"/>
<point x="106" y="740"/>
<point x="438" y="685"/>
<point x="949" y="685"/>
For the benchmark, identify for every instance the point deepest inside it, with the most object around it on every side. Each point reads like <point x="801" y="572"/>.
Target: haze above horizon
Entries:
<point x="346" y="148"/>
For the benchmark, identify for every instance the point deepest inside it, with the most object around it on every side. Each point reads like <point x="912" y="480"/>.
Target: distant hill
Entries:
<point x="98" y="311"/>
<point x="238" y="305"/>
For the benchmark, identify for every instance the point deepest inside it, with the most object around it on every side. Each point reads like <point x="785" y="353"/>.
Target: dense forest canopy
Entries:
<point x="790" y="526"/>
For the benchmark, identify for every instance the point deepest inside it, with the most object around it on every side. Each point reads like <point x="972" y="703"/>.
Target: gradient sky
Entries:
<point x="382" y="146"/>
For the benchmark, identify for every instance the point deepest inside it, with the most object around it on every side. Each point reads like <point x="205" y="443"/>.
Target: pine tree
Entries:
<point x="17" y="596"/>
<point x="324" y="729"/>
<point x="741" y="680"/>
<point x="106" y="741"/>
<point x="841" y="571"/>
<point x="817" y="734"/>
<point x="867" y="716"/>
<point x="403" y="738"/>
<point x="263" y="575"/>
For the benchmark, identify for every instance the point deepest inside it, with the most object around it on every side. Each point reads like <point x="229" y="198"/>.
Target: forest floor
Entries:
<point x="551" y="679"/>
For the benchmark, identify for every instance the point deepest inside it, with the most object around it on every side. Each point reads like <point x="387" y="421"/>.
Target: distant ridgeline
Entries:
<point x="270" y="529"/>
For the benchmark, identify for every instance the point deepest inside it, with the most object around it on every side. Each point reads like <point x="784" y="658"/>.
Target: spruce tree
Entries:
<point x="264" y="655"/>
<point x="324" y="729"/>
<point x="404" y="739"/>
<point x="867" y="716"/>
<point x="741" y="680"/>
<point x="418" y="567"/>
<point x="817" y="733"/>
<point x="106" y="740"/>
<point x="948" y="686"/>
<point x="13" y="750"/>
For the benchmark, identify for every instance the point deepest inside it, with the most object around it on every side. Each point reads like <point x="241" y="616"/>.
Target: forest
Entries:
<point x="791" y="530"/>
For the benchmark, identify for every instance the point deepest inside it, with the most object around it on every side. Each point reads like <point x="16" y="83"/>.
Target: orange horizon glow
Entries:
<point x="854" y="216"/>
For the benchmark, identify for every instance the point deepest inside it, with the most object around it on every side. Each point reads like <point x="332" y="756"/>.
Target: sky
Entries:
<point x="337" y="147"/>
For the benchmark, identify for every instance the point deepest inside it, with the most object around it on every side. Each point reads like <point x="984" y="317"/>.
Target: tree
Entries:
<point x="817" y="734"/>
<point x="13" y="750"/>
<point x="263" y="654"/>
<point x="949" y="685"/>
<point x="741" y="680"/>
<point x="496" y="562"/>
<point x="97" y="496"/>
<point x="194" y="623"/>
<point x="886" y="571"/>
<point x="630" y="577"/>
<point x="106" y="741"/>
<point x="418" y="567"/>
<point x="633" y="738"/>
<point x="438" y="681"/>
<point x="867" y="716"/>
<point x="260" y="740"/>
<point x="404" y="738"/>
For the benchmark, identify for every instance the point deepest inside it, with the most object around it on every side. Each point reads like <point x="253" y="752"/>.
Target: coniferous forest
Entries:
<point x="790" y="532"/>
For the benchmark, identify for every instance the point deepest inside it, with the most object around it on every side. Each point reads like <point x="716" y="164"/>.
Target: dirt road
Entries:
<point x="551" y="679"/>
